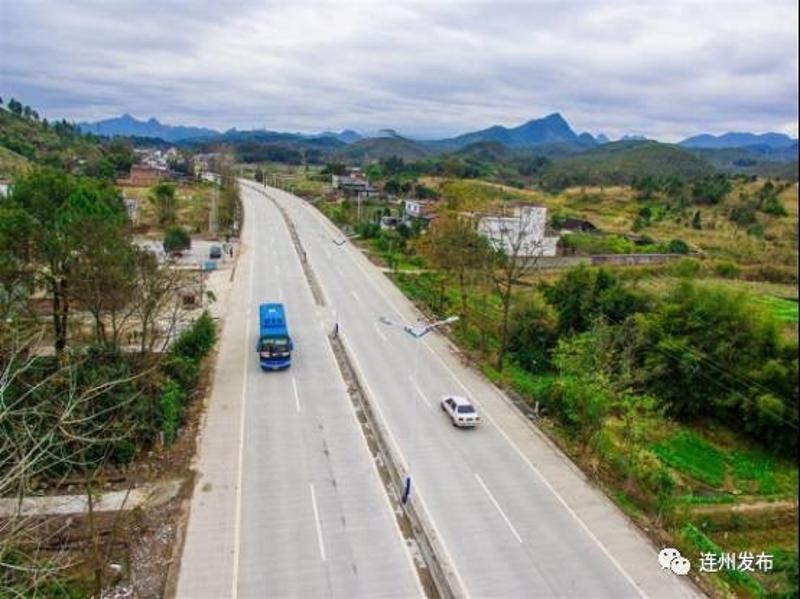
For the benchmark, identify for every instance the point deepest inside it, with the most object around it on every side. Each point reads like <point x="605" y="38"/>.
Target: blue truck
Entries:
<point x="274" y="345"/>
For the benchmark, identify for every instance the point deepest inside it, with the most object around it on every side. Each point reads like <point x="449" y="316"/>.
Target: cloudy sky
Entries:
<point x="664" y="69"/>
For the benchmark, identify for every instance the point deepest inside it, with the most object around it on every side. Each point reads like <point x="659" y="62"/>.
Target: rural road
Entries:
<point x="288" y="502"/>
<point x="512" y="516"/>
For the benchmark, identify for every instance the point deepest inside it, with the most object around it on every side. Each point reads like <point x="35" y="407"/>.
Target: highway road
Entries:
<point x="513" y="516"/>
<point x="288" y="501"/>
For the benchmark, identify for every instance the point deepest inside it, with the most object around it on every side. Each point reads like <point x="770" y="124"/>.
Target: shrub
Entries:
<point x="773" y="206"/>
<point x="176" y="239"/>
<point x="677" y="246"/>
<point x="686" y="268"/>
<point x="196" y="341"/>
<point x="182" y="369"/>
<point x="171" y="410"/>
<point x="727" y="270"/>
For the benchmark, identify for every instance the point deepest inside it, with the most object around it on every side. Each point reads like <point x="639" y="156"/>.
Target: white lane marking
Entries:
<point x="355" y="295"/>
<point x="355" y="259"/>
<point x="380" y="333"/>
<point x="418" y="494"/>
<point x="497" y="505"/>
<point x="421" y="394"/>
<point x="240" y="458"/>
<point x="296" y="395"/>
<point x="316" y="520"/>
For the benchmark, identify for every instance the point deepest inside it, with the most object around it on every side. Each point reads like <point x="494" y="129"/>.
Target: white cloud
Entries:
<point x="664" y="69"/>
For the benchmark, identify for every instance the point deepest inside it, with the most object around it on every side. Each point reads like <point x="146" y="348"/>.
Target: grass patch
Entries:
<point x="783" y="309"/>
<point x="700" y="541"/>
<point x="691" y="455"/>
<point x="712" y="498"/>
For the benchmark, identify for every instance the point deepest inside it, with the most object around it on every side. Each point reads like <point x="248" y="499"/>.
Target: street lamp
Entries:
<point x="416" y="333"/>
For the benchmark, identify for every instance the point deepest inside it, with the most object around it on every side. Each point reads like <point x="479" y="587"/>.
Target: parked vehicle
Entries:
<point x="461" y="412"/>
<point x="274" y="345"/>
<point x="215" y="253"/>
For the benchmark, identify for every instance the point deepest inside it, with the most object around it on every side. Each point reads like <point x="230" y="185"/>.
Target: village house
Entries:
<point x="522" y="232"/>
<point x="423" y="210"/>
<point x="142" y="176"/>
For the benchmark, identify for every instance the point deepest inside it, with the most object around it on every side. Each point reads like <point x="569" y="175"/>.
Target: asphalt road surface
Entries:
<point x="288" y="502"/>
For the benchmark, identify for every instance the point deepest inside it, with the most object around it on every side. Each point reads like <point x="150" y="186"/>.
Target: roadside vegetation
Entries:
<point x="103" y="361"/>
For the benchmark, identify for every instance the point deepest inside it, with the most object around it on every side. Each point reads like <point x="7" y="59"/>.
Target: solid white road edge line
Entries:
<point x="240" y="459"/>
<point x="497" y="505"/>
<point x="317" y="522"/>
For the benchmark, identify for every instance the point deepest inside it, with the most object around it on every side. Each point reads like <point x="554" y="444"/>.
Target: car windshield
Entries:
<point x="466" y="409"/>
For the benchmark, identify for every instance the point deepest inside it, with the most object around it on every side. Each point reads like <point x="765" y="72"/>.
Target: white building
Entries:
<point x="522" y="232"/>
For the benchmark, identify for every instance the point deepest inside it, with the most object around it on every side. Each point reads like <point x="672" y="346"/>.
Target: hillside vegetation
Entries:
<point x="622" y="162"/>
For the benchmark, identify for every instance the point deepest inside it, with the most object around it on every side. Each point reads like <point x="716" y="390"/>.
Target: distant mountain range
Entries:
<point x="739" y="140"/>
<point x="126" y="125"/>
<point x="550" y="131"/>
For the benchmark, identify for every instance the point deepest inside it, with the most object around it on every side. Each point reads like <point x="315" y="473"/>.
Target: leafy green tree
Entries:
<point x="709" y="353"/>
<point x="583" y="294"/>
<point x="60" y="206"/>
<point x="711" y="189"/>
<point x="176" y="239"/>
<point x="534" y="333"/>
<point x="162" y="196"/>
<point x="453" y="246"/>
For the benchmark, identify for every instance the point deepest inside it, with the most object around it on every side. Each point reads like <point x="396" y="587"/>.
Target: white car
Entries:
<point x="462" y="413"/>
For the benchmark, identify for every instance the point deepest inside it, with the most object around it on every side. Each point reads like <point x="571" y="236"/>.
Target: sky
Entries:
<point x="665" y="69"/>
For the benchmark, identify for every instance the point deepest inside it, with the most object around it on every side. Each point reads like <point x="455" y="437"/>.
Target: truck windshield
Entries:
<point x="275" y="345"/>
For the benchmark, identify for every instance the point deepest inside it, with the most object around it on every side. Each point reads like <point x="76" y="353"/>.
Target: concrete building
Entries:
<point x="419" y="210"/>
<point x="521" y="232"/>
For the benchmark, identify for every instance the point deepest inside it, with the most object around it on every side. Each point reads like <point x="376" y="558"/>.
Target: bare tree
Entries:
<point x="518" y="242"/>
<point x="50" y="426"/>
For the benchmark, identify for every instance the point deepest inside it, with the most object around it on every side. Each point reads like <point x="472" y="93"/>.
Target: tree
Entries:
<point x="156" y="299"/>
<point x="696" y="222"/>
<point x="162" y="196"/>
<point x="453" y="245"/>
<point x="15" y="106"/>
<point x="534" y="333"/>
<point x="43" y="196"/>
<point x="711" y="189"/>
<point x="518" y="244"/>
<point x="176" y="239"/>
<point x="103" y="285"/>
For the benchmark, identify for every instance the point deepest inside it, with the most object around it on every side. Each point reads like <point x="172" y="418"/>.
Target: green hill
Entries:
<point x="42" y="142"/>
<point x="621" y="162"/>
<point x="12" y="164"/>
<point x="376" y="148"/>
